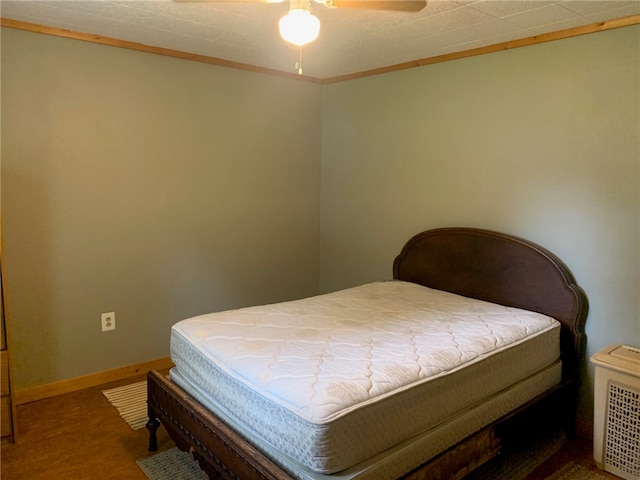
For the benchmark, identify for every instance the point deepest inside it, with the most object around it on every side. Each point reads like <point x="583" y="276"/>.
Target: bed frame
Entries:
<point x="475" y="263"/>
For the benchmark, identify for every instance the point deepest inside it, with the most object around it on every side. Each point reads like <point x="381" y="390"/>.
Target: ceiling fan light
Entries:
<point x="299" y="26"/>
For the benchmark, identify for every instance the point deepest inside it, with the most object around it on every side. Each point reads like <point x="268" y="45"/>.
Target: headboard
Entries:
<point x="503" y="269"/>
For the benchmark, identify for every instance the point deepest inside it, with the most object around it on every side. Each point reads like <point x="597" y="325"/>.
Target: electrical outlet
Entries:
<point x="108" y="321"/>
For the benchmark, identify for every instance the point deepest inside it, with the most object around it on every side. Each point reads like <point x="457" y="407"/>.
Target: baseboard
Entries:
<point x="41" y="392"/>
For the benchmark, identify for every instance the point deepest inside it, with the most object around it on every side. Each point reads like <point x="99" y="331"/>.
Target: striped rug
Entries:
<point x="131" y="403"/>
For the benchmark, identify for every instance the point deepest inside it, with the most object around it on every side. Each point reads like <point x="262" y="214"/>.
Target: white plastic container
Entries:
<point x="616" y="423"/>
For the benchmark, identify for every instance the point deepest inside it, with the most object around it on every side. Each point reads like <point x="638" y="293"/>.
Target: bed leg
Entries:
<point x="570" y="407"/>
<point x="152" y="426"/>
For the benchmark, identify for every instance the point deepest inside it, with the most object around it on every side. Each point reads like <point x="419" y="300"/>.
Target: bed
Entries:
<point x="477" y="340"/>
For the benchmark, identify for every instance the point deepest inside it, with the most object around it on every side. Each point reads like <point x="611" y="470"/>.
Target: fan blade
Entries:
<point x="228" y="1"/>
<point x="395" y="5"/>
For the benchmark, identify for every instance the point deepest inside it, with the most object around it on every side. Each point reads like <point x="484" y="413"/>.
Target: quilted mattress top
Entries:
<point x="395" y="335"/>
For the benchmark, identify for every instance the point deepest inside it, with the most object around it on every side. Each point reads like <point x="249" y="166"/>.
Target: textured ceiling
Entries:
<point x="350" y="41"/>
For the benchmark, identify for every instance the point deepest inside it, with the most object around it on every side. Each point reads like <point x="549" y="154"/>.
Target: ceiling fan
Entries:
<point x="300" y="26"/>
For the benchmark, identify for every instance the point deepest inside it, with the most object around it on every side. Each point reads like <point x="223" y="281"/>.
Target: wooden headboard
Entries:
<point x="502" y="269"/>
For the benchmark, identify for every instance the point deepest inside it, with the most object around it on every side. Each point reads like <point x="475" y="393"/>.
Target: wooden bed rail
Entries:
<point x="221" y="452"/>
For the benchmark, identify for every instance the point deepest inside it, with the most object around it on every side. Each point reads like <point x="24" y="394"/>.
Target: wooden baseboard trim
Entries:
<point x="40" y="392"/>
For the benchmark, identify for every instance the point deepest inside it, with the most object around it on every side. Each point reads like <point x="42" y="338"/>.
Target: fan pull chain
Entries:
<point x="299" y="62"/>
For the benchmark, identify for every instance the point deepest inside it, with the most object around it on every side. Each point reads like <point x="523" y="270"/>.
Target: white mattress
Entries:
<point x="409" y="454"/>
<point x="333" y="380"/>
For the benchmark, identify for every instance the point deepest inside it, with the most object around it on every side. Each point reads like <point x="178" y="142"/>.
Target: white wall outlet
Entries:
<point x="108" y="321"/>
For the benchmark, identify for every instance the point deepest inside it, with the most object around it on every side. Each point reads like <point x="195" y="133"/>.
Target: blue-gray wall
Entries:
<point x="542" y="142"/>
<point x="161" y="188"/>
